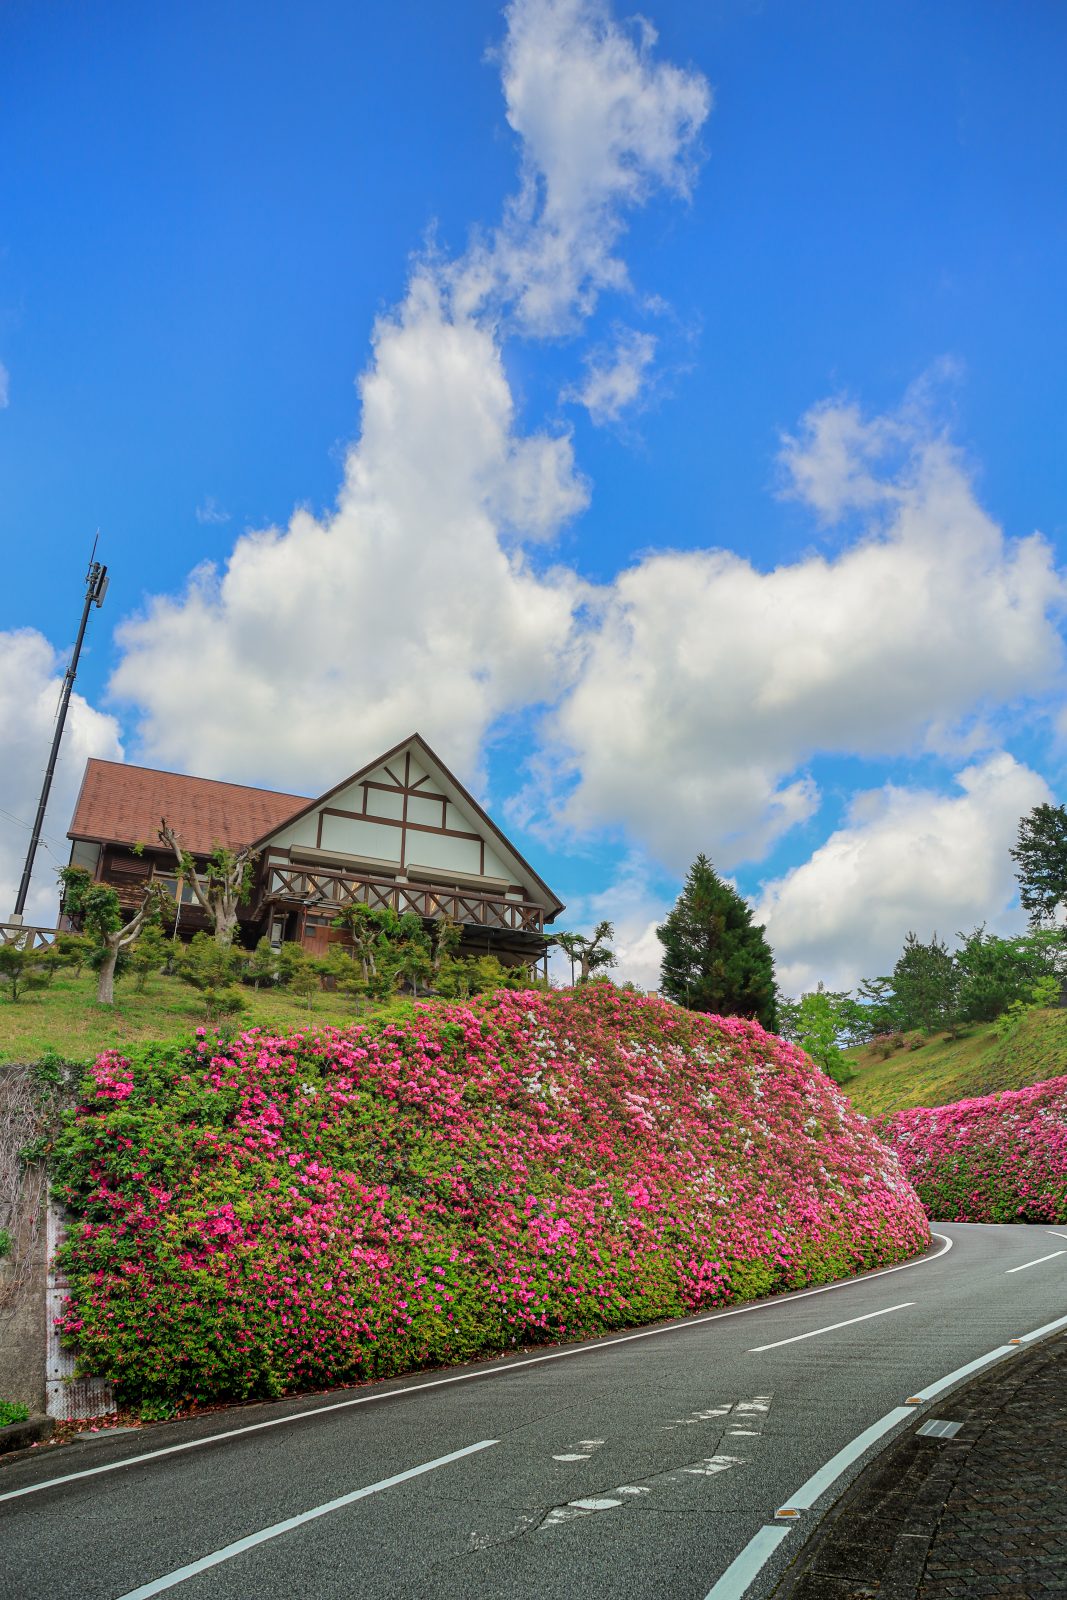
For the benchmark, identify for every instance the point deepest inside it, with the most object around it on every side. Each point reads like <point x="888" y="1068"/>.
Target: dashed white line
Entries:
<point x="1038" y="1261"/>
<point x="797" y="1337"/>
<point x="170" y="1580"/>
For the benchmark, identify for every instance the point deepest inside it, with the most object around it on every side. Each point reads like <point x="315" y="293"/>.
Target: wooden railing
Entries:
<point x="327" y="890"/>
<point x="26" y="935"/>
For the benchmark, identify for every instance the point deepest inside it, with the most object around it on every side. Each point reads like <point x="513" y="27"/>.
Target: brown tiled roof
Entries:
<point x="125" y="804"/>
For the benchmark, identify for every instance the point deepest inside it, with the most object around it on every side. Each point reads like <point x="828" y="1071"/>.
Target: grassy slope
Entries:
<point x="66" y="1018"/>
<point x="977" y="1063"/>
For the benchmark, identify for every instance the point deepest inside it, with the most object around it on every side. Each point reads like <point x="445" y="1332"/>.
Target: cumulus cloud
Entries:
<point x="708" y="685"/>
<point x="31" y="676"/>
<point x="635" y="906"/>
<point x="417" y="601"/>
<point x="904" y="860"/>
<point x="614" y="379"/>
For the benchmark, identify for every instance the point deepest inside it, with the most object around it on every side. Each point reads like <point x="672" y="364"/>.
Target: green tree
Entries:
<point x="1040" y="856"/>
<point x="881" y="1011"/>
<point x="73" y="950"/>
<point x="815" y="1022"/>
<point x="94" y="908"/>
<point x="924" y="984"/>
<point x="298" y="971"/>
<point x="263" y="966"/>
<point x="714" y="957"/>
<point x="148" y="954"/>
<point x="995" y="973"/>
<point x="213" y="970"/>
<point x="21" y="970"/>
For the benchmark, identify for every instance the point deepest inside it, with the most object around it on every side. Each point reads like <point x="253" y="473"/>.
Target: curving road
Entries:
<point x="651" y="1464"/>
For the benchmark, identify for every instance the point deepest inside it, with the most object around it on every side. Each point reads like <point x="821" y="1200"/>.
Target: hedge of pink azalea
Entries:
<point x="270" y="1214"/>
<point x="999" y="1158"/>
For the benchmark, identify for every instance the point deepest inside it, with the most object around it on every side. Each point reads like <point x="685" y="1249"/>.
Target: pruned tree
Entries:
<point x="21" y="969"/>
<point x="591" y="953"/>
<point x="95" y="909"/>
<point x="223" y="884"/>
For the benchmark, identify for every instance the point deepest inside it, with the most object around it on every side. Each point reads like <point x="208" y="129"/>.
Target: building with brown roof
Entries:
<point x="401" y="832"/>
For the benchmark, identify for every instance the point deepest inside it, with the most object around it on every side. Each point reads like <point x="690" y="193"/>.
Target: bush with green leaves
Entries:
<point x="12" y="1411"/>
<point x="21" y="971"/>
<point x="213" y="969"/>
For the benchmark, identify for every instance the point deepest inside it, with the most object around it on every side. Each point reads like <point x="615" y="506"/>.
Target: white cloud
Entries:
<point x="31" y="676"/>
<point x="905" y="859"/>
<point x="615" y="378"/>
<point x="414" y="604"/>
<point x="5" y="387"/>
<point x="602" y="125"/>
<point x="707" y="685"/>
<point x="635" y="908"/>
<point x="211" y="512"/>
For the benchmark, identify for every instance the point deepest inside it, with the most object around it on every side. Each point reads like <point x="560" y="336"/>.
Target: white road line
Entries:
<point x="1038" y="1262"/>
<point x="744" y="1567"/>
<point x="498" y="1371"/>
<point x="1056" y="1232"/>
<point x="170" y="1580"/>
<point x="1050" y="1327"/>
<point x="814" y="1334"/>
<point x="810" y="1491"/>
<point x="741" y="1572"/>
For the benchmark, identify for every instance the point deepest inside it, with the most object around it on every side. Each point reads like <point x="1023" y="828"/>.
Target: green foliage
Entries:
<point x="12" y="1411"/>
<point x="263" y="967"/>
<point x="924" y="984"/>
<point x="299" y="971"/>
<point x="6" y="1242"/>
<point x="149" y="954"/>
<point x="715" y="958"/>
<point x="73" y="950"/>
<point x="1040" y="856"/>
<point x="995" y="973"/>
<point x="815" y="1022"/>
<point x="92" y="907"/>
<point x="21" y="971"/>
<point x="213" y="970"/>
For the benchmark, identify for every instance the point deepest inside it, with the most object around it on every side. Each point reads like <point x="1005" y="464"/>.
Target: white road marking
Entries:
<point x="1038" y="1262"/>
<point x="170" y="1580"/>
<point x="714" y="1464"/>
<point x="813" y="1487"/>
<point x="743" y="1433"/>
<point x="496" y="1371"/>
<point x="578" y="1508"/>
<point x="830" y="1329"/>
<point x="1056" y="1232"/>
<point x="1049" y="1327"/>
<point x="570" y="1458"/>
<point x="590" y="1444"/>
<point x="744" y="1567"/>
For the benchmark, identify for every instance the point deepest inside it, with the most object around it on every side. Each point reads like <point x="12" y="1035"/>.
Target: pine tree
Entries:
<point x="714" y="958"/>
<point x="925" y="984"/>
<point x="1040" y="856"/>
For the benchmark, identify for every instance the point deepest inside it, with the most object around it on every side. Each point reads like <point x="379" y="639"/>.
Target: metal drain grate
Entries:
<point x="938" y="1428"/>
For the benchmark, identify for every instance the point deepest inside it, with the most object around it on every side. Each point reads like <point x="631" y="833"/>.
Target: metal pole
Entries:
<point x="95" y="590"/>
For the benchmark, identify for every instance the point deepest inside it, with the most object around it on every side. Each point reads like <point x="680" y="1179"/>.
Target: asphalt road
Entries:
<point x="639" y="1466"/>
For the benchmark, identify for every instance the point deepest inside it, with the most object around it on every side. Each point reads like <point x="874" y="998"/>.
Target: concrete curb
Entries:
<point x="19" y="1435"/>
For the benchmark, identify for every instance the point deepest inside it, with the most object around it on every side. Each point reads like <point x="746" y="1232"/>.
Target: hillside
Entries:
<point x="65" y="1017"/>
<point x="977" y="1063"/>
<point x="276" y="1213"/>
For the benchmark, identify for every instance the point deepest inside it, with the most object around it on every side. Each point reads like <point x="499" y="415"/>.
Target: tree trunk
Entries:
<point x="225" y="924"/>
<point x="105" y="984"/>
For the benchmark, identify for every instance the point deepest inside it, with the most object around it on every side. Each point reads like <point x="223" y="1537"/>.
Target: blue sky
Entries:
<point x="841" y="225"/>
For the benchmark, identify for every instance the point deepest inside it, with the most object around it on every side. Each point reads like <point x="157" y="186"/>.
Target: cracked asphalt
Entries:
<point x="630" y="1469"/>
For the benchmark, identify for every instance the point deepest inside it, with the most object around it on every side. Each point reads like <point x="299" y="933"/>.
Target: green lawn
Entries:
<point x="977" y="1063"/>
<point x="66" y="1018"/>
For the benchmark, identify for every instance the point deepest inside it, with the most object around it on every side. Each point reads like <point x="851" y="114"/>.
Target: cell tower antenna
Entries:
<point x="96" y="581"/>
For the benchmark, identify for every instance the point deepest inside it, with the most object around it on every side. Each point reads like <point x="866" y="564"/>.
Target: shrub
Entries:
<point x="12" y="1411"/>
<point x="999" y="1158"/>
<point x="267" y="1214"/>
